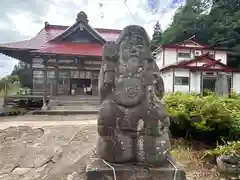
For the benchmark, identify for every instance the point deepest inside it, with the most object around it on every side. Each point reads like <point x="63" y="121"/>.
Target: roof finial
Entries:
<point x="82" y="16"/>
<point x="192" y="37"/>
<point x="46" y="24"/>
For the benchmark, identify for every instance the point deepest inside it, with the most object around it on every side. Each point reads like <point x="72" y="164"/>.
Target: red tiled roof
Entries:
<point x="40" y="41"/>
<point x="192" y="41"/>
<point x="72" y="49"/>
<point x="186" y="64"/>
<point x="36" y="42"/>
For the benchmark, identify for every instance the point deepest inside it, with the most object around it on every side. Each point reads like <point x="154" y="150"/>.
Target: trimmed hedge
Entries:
<point x="208" y="118"/>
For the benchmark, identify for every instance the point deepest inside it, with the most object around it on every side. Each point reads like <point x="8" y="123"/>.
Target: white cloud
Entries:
<point x="116" y="15"/>
<point x="25" y="24"/>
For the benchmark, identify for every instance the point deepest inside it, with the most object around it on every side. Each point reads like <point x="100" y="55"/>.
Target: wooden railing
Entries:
<point x="36" y="93"/>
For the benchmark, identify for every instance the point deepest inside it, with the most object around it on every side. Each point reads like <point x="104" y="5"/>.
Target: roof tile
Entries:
<point x="72" y="49"/>
<point x="41" y="43"/>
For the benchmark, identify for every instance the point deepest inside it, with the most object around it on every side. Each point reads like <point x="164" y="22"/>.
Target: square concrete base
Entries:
<point x="98" y="169"/>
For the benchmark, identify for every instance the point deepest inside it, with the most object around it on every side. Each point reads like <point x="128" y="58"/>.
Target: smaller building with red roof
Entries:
<point x="190" y="66"/>
<point x="69" y="57"/>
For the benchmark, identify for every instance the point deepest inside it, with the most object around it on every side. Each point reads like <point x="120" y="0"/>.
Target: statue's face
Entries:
<point x="133" y="47"/>
<point x="133" y="51"/>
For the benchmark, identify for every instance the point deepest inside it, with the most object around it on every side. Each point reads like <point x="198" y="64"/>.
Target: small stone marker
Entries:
<point x="221" y="85"/>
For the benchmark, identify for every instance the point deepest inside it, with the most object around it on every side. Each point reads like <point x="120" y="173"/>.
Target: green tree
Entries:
<point x="7" y="82"/>
<point x="23" y="71"/>
<point x="157" y="36"/>
<point x="225" y="24"/>
<point x="187" y="21"/>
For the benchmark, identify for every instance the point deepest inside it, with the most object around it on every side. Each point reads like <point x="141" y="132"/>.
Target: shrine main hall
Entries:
<point x="63" y="58"/>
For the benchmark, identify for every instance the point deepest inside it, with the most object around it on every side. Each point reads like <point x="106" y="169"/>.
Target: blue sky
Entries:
<point x="21" y="20"/>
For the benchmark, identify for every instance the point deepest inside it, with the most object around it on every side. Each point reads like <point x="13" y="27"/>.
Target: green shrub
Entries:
<point x="207" y="116"/>
<point x="229" y="148"/>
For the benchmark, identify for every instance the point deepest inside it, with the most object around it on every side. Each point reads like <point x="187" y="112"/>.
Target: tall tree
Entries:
<point x="157" y="36"/>
<point x="225" y="22"/>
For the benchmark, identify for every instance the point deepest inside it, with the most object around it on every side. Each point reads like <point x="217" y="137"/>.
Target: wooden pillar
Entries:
<point x="201" y="83"/>
<point x="45" y="105"/>
<point x="173" y="86"/>
<point x="57" y="80"/>
<point x="5" y="94"/>
<point x="31" y="71"/>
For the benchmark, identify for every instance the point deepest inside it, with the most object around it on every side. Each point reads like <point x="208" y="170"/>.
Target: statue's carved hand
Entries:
<point x="109" y="77"/>
<point x="158" y="84"/>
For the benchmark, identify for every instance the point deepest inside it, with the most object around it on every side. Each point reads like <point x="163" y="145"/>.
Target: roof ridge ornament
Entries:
<point x="194" y="36"/>
<point x="46" y="24"/>
<point x="82" y="16"/>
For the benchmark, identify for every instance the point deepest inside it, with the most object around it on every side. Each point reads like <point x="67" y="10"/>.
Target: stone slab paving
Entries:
<point x="46" y="147"/>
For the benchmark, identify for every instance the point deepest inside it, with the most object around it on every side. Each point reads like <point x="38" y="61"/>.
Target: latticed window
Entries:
<point x="37" y="61"/>
<point x="63" y="74"/>
<point x="95" y="75"/>
<point x="38" y="74"/>
<point x="63" y="77"/>
<point x="88" y="75"/>
<point x="37" y="80"/>
<point x="184" y="55"/>
<point x="181" y="80"/>
<point x="51" y="74"/>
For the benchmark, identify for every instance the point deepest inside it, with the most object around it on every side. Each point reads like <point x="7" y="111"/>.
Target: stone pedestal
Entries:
<point x="98" y="169"/>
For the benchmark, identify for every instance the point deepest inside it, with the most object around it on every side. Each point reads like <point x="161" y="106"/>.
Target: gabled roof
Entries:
<point x="201" y="63"/>
<point x="191" y="43"/>
<point x="46" y="38"/>
<point x="80" y="24"/>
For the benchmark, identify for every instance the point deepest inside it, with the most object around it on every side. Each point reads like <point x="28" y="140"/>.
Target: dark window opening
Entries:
<point x="81" y="83"/>
<point x="209" y="83"/>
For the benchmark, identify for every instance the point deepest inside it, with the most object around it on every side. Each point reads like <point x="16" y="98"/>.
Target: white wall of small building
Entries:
<point x="221" y="55"/>
<point x="168" y="80"/>
<point x="182" y="73"/>
<point x="194" y="80"/>
<point x="168" y="56"/>
<point x="159" y="58"/>
<point x="235" y="83"/>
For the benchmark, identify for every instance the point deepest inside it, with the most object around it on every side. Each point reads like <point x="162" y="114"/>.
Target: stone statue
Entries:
<point x="132" y="124"/>
<point x="221" y="84"/>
